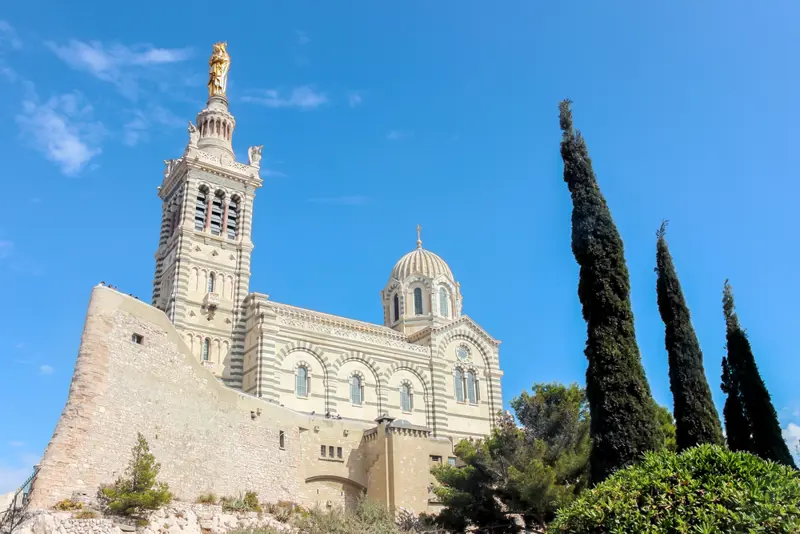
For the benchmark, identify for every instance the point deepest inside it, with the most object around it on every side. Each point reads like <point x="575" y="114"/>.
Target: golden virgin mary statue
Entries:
<point x="218" y="67"/>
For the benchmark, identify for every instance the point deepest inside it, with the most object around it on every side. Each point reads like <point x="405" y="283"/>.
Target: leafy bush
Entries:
<point x="706" y="489"/>
<point x="137" y="490"/>
<point x="368" y="517"/>
<point x="243" y="503"/>
<point x="68" y="505"/>
<point x="207" y="498"/>
<point x="85" y="514"/>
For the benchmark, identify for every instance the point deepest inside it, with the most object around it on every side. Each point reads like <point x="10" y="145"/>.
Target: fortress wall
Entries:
<point x="201" y="432"/>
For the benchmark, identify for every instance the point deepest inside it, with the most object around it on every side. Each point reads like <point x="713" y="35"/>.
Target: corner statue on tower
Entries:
<point x="218" y="67"/>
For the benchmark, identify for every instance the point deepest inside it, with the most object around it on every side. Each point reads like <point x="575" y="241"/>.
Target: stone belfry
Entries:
<point x="203" y="259"/>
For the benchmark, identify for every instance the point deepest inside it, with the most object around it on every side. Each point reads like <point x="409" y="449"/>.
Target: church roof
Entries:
<point x="421" y="261"/>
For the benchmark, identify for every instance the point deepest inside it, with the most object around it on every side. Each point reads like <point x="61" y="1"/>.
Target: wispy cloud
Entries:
<point x="136" y="130"/>
<point x="6" y="249"/>
<point x="16" y="444"/>
<point x="352" y="200"/>
<point x="63" y="130"/>
<point x="304" y="97"/>
<point x="8" y="36"/>
<point x="355" y="98"/>
<point x="397" y="135"/>
<point x="46" y="369"/>
<point x="116" y="63"/>
<point x="271" y="173"/>
<point x="302" y="37"/>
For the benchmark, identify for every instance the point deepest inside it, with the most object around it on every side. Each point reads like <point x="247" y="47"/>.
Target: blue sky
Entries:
<point x="378" y="116"/>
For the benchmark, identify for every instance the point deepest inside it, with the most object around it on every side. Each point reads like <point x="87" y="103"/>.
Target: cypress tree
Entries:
<point x="767" y="440"/>
<point x="737" y="428"/>
<point x="696" y="419"/>
<point x="623" y="419"/>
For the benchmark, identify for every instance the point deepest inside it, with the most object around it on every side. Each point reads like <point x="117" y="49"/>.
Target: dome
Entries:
<point x="421" y="261"/>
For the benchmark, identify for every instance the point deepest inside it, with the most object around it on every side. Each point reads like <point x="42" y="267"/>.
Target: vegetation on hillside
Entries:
<point x="696" y="419"/>
<point x="623" y="422"/>
<point x="705" y="489"/>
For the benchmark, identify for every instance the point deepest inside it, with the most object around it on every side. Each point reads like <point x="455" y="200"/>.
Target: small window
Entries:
<point x="233" y="218"/>
<point x="417" y="301"/>
<point x="206" y="345"/>
<point x="211" y="283"/>
<point x="322" y="450"/>
<point x="201" y="207"/>
<point x="459" y="385"/>
<point x="356" y="390"/>
<point x="136" y="338"/>
<point x="301" y="387"/>
<point x="451" y="461"/>
<point x="444" y="303"/>
<point x="281" y="440"/>
<point x="330" y="451"/>
<point x="216" y="215"/>
<point x="338" y="452"/>
<point x="471" y="397"/>
<point x="436" y="459"/>
<point x="396" y="307"/>
<point x="406" y="398"/>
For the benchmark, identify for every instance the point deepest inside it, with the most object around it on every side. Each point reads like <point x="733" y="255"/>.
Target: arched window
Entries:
<point x="406" y="398"/>
<point x="444" y="302"/>
<point x="301" y="387"/>
<point x="356" y="390"/>
<point x="211" y="283"/>
<point x="233" y="217"/>
<point x="396" y="307"/>
<point x="206" y="346"/>
<point x="216" y="214"/>
<point x="459" y="385"/>
<point x="472" y="396"/>
<point x="200" y="209"/>
<point x="417" y="301"/>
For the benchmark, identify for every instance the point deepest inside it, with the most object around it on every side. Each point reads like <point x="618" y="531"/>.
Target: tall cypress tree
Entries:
<point x="696" y="419"/>
<point x="767" y="440"/>
<point x="737" y="428"/>
<point x="623" y="419"/>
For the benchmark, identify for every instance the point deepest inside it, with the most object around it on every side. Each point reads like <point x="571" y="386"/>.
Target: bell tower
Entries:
<point x="202" y="273"/>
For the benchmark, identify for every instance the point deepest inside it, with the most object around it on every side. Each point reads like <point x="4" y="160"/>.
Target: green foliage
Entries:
<point x="529" y="470"/>
<point x="666" y="428"/>
<point x="368" y="517"/>
<point x="706" y="489"/>
<point x="243" y="503"/>
<point x="207" y="498"/>
<point x="736" y="425"/>
<point x="754" y="399"/>
<point x="137" y="490"/>
<point x="68" y="505"/>
<point x="696" y="418"/>
<point x="86" y="514"/>
<point x="623" y="423"/>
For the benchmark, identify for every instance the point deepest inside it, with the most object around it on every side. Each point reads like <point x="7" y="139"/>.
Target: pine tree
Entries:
<point x="737" y="428"/>
<point x="696" y="419"/>
<point x="623" y="419"/>
<point x="767" y="439"/>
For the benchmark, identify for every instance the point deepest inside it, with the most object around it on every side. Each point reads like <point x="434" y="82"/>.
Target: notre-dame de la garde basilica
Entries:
<point x="239" y="390"/>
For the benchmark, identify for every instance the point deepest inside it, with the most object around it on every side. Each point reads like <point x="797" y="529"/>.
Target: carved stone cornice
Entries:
<point x="466" y="320"/>
<point x="333" y="325"/>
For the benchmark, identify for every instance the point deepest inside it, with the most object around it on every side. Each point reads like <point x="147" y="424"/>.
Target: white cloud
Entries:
<point x="8" y="35"/>
<point x="16" y="444"/>
<point x="6" y="249"/>
<point x="62" y="130"/>
<point x="46" y="369"/>
<point x="136" y="130"/>
<point x="352" y="200"/>
<point x="355" y="98"/>
<point x="116" y="63"/>
<point x="397" y="135"/>
<point x="304" y="97"/>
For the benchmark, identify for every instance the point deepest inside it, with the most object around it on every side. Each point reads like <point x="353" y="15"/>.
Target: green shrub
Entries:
<point x="207" y="498"/>
<point x="706" y="489"/>
<point x="85" y="514"/>
<point x="368" y="517"/>
<point x="243" y="503"/>
<point x="137" y="490"/>
<point x="68" y="505"/>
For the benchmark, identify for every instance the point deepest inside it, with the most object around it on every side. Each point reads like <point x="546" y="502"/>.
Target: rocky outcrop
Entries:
<point x="178" y="518"/>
